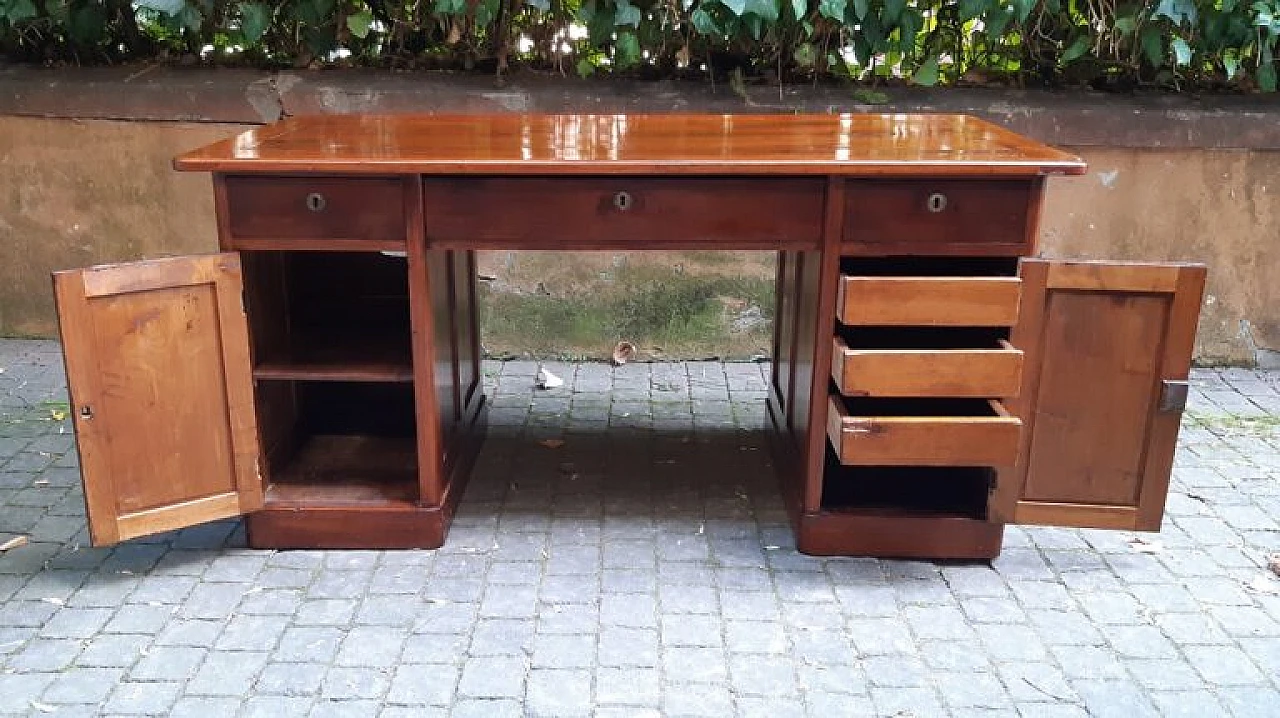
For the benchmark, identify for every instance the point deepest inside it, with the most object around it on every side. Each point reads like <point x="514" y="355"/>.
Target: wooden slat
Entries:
<point x="1113" y="277"/>
<point x="176" y="516"/>
<point x="923" y="440"/>
<point x="977" y="373"/>
<point x="316" y="244"/>
<point x="929" y="301"/>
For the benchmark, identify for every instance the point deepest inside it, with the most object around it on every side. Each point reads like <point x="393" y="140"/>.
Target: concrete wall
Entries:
<point x="85" y="178"/>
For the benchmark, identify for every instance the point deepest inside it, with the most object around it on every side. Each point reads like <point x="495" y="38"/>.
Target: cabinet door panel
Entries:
<point x="157" y="357"/>
<point x="1108" y="347"/>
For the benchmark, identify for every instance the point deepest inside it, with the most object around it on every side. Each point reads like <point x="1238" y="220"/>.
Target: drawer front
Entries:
<point x="976" y="373"/>
<point x="941" y="217"/>
<point x="988" y="439"/>
<point x="929" y="301"/>
<point x="351" y="209"/>
<point x="621" y="212"/>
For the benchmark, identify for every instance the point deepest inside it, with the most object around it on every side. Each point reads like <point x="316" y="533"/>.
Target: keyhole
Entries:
<point x="86" y="412"/>
<point x="315" y="202"/>
<point x="937" y="202"/>
<point x="623" y="201"/>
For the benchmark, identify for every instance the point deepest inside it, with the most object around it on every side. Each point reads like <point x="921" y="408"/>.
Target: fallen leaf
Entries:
<point x="623" y="352"/>
<point x="1142" y="545"/>
<point x="43" y="707"/>
<point x="1273" y="563"/>
<point x="552" y="443"/>
<point x="13" y="543"/>
<point x="547" y="380"/>
<point x="57" y="415"/>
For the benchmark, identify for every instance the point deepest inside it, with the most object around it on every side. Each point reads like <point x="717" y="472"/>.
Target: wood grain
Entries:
<point x="896" y="436"/>
<point x="975" y="217"/>
<point x="804" y="144"/>
<point x="157" y="356"/>
<point x="560" y="213"/>
<point x="979" y="373"/>
<point x="264" y="212"/>
<point x="888" y="534"/>
<point x="929" y="301"/>
<point x="1098" y="451"/>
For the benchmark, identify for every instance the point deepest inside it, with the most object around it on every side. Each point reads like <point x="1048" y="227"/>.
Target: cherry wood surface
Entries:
<point x="157" y="357"/>
<point x="1101" y="340"/>
<point x="520" y="144"/>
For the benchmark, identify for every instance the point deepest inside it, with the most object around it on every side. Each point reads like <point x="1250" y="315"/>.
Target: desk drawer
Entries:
<point x="294" y="212"/>
<point x="922" y="432"/>
<point x="934" y="372"/>
<point x="940" y="216"/>
<point x="623" y="212"/>
<point x="929" y="301"/>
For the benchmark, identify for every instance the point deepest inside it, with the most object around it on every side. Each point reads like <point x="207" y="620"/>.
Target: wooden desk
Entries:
<point x="931" y="382"/>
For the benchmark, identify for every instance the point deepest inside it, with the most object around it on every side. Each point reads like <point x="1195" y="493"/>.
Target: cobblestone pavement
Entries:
<point x="646" y="572"/>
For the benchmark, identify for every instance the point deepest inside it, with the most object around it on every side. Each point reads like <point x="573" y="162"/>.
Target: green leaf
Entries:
<point x="860" y="8"/>
<point x="451" y="7"/>
<point x="486" y="10"/>
<point x="1076" y="50"/>
<point x="586" y="68"/>
<point x="927" y="75"/>
<point x="1181" y="52"/>
<point x="544" y="6"/>
<point x="1024" y="8"/>
<point x="254" y="20"/>
<point x="1231" y="63"/>
<point x="1153" y="45"/>
<point x="737" y="7"/>
<point x="799" y="8"/>
<point x="19" y="10"/>
<point x="1267" y="77"/>
<point x="168" y="7"/>
<point x="970" y="9"/>
<point x="703" y="22"/>
<point x="626" y="50"/>
<point x="833" y="9"/>
<point x="626" y="14"/>
<point x="996" y="22"/>
<point x="190" y="17"/>
<point x="766" y="10"/>
<point x="805" y="55"/>
<point x="359" y="23"/>
<point x="1177" y="10"/>
<point x="86" y="23"/>
<point x="892" y="10"/>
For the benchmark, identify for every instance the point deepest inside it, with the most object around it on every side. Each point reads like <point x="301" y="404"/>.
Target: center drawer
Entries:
<point x="620" y="212"/>
<point x="933" y="366"/>
<point x="922" y="432"/>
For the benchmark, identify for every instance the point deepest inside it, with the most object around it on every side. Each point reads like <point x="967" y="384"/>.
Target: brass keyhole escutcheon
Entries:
<point x="86" y="412"/>
<point x="623" y="201"/>
<point x="937" y="202"/>
<point x="316" y="202"/>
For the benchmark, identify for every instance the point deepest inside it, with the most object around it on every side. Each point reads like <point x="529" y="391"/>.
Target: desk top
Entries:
<point x="687" y="144"/>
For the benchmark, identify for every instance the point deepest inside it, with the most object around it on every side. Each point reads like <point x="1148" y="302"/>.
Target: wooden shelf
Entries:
<point x="347" y="470"/>
<point x="368" y="358"/>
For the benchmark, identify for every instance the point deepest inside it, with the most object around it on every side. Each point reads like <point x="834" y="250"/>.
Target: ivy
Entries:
<point x="1168" y="44"/>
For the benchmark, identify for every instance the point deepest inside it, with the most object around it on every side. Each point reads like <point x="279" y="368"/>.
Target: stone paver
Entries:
<point x="646" y="571"/>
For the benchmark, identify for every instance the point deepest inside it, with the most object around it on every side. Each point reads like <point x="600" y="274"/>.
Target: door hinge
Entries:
<point x="1173" y="395"/>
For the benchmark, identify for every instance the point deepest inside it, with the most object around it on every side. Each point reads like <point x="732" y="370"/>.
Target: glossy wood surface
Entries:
<point x="347" y="212"/>
<point x="940" y="217"/>
<point x="158" y="368"/>
<point x="511" y="144"/>
<point x="623" y="213"/>
<point x="1100" y="340"/>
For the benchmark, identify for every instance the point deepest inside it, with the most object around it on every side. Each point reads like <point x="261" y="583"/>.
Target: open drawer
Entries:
<point x="928" y="301"/>
<point x="926" y="363"/>
<point x="922" y="432"/>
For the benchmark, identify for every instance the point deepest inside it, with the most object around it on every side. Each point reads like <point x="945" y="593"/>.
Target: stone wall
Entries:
<point x="85" y="178"/>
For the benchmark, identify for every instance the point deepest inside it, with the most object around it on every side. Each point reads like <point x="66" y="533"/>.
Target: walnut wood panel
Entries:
<point x="981" y="373"/>
<point x="622" y="212"/>
<point x="940" y="217"/>
<point x="987" y="437"/>
<point x="929" y="301"/>
<point x="157" y="357"/>
<point x="304" y="212"/>
<point x="1102" y="341"/>
<point x="775" y="144"/>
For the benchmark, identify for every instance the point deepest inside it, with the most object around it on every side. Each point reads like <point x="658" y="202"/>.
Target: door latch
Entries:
<point x="1173" y="395"/>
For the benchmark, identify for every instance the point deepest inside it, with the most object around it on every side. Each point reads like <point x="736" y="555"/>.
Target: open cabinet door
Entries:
<point x="157" y="357"/>
<point x="1107" y="350"/>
